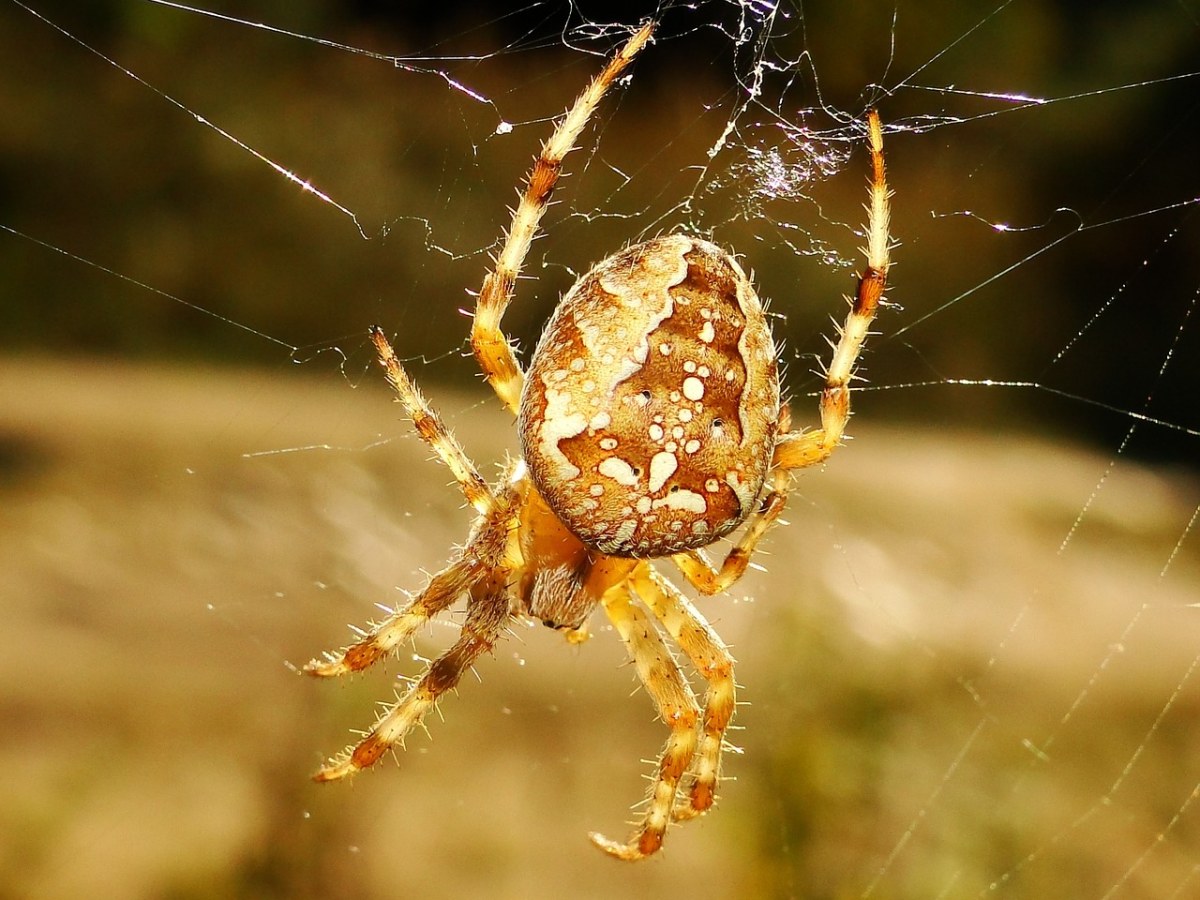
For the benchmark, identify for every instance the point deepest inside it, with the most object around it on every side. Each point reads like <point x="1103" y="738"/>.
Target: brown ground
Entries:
<point x="919" y="654"/>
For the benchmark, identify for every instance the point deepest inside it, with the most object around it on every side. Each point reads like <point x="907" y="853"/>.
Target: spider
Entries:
<point x="651" y="426"/>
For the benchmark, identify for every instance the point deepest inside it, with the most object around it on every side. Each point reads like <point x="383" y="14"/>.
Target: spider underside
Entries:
<point x="651" y="426"/>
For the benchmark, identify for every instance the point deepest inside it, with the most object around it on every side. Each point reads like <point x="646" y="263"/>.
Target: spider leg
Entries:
<point x="713" y="661"/>
<point x="795" y="451"/>
<point x="491" y="346"/>
<point x="701" y="574"/>
<point x="443" y="589"/>
<point x="430" y="427"/>
<point x="482" y="555"/>
<point x="486" y="616"/>
<point x="677" y="707"/>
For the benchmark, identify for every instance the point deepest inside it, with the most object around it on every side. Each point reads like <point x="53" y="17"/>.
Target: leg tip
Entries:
<point x="323" y="668"/>
<point x="334" y="771"/>
<point x="645" y="845"/>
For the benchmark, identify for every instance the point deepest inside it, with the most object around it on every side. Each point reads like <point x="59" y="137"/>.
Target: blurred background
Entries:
<point x="968" y="662"/>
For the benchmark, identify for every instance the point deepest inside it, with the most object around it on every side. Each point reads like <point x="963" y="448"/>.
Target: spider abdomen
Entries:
<point x="649" y="411"/>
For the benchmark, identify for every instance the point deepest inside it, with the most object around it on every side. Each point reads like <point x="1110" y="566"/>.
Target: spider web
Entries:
<point x="970" y="662"/>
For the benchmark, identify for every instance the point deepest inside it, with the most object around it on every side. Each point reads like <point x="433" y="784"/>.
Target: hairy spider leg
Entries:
<point x="676" y="705"/>
<point x="490" y="344"/>
<point x="711" y="658"/>
<point x="472" y="565"/>
<point x="701" y="574"/>
<point x="802" y="449"/>
<point x="430" y="427"/>
<point x="487" y="614"/>
<point x="455" y="579"/>
<point x="479" y="570"/>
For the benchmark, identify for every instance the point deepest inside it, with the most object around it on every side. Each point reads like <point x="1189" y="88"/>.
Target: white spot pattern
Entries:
<point x="618" y="470"/>
<point x="662" y="467"/>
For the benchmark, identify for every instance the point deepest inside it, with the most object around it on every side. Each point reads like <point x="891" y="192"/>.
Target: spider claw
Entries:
<point x="330" y="667"/>
<point x="362" y="756"/>
<point x="686" y="812"/>
<point x="647" y="844"/>
<point x="336" y="769"/>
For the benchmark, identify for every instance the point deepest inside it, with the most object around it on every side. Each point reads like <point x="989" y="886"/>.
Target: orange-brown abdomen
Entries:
<point x="649" y="412"/>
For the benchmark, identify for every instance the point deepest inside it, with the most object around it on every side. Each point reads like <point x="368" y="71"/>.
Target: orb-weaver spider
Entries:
<point x="651" y="426"/>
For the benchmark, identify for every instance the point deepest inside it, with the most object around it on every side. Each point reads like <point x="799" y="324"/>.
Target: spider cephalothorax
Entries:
<point x="651" y="426"/>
